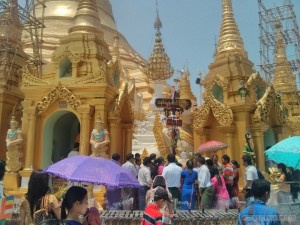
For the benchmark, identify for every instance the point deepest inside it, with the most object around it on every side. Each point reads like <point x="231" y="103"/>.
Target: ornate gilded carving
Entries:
<point x="58" y="92"/>
<point x="221" y="81"/>
<point x="29" y="77"/>
<point x="122" y="98"/>
<point x="73" y="57"/>
<point x="159" y="137"/>
<point x="103" y="75"/>
<point x="201" y="116"/>
<point x="255" y="79"/>
<point x="221" y="112"/>
<point x="186" y="136"/>
<point x="268" y="102"/>
<point x="294" y="123"/>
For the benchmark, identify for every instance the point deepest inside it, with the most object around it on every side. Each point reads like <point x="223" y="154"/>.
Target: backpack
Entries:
<point x="43" y="213"/>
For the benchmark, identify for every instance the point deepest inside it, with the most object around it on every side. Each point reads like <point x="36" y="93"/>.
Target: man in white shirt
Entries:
<point x="145" y="181"/>
<point x="250" y="176"/>
<point x="205" y="187"/>
<point x="75" y="150"/>
<point x="128" y="195"/>
<point x="172" y="175"/>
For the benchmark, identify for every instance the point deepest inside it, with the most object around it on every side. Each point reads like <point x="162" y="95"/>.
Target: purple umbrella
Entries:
<point x="94" y="170"/>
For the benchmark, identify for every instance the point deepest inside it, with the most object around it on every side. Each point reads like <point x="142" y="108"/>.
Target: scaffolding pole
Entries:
<point x="31" y="27"/>
<point x="268" y="16"/>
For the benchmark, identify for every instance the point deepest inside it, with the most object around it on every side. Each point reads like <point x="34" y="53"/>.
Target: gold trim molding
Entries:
<point x="58" y="92"/>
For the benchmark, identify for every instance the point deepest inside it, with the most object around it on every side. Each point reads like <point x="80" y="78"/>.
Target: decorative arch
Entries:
<point x="58" y="92"/>
<point x="123" y="98"/>
<point x="73" y="57"/>
<point x="221" y="111"/>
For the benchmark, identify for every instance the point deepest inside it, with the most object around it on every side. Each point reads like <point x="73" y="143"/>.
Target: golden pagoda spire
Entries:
<point x="230" y="40"/>
<point x="159" y="66"/>
<point x="10" y="25"/>
<point x="284" y="79"/>
<point x="185" y="86"/>
<point x="87" y="18"/>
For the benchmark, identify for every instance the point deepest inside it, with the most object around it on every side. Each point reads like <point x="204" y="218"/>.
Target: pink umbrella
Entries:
<point x="211" y="146"/>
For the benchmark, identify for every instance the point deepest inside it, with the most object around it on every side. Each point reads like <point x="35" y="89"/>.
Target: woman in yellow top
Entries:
<point x="284" y="189"/>
<point x="38" y="190"/>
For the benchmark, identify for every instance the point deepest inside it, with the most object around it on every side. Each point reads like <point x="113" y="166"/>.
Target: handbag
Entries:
<point x="44" y="213"/>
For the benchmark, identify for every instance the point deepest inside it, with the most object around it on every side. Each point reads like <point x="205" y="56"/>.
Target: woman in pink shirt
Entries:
<point x="159" y="164"/>
<point x="221" y="196"/>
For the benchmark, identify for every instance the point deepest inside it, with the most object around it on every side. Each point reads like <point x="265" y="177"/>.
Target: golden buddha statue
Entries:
<point x="14" y="144"/>
<point x="99" y="139"/>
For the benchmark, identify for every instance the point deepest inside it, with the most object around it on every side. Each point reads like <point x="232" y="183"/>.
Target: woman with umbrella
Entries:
<point x="38" y="198"/>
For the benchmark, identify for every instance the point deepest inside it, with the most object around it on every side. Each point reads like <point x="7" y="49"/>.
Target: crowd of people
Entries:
<point x="166" y="186"/>
<point x="202" y="183"/>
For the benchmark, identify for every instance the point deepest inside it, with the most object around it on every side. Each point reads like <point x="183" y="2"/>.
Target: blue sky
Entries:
<point x="190" y="29"/>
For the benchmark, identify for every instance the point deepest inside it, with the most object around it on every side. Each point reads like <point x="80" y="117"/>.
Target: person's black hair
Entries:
<point x="201" y="160"/>
<point x="129" y="156"/>
<point x="226" y="158"/>
<point x="247" y="159"/>
<point x="214" y="172"/>
<point x="234" y="162"/>
<point x="190" y="164"/>
<point x="116" y="157"/>
<point x="146" y="161"/>
<point x="198" y="154"/>
<point x="260" y="187"/>
<point x="159" y="181"/>
<point x="137" y="160"/>
<point x="37" y="188"/>
<point x="209" y="162"/>
<point x="72" y="195"/>
<point x="171" y="158"/>
<point x="76" y="145"/>
<point x="2" y="169"/>
<point x="158" y="161"/>
<point x="137" y="155"/>
<point x="152" y="156"/>
<point x="283" y="169"/>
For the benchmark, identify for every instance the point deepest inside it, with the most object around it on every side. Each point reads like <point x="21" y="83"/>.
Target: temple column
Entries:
<point x="85" y="117"/>
<point x="30" y="147"/>
<point x="278" y="133"/>
<point x="30" y="139"/>
<point x="257" y="132"/>
<point x="115" y="137"/>
<point x="200" y="136"/>
<point x="128" y="138"/>
<point x="229" y="140"/>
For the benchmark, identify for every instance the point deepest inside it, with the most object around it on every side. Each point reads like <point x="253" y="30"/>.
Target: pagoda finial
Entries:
<point x="159" y="66"/>
<point x="284" y="79"/>
<point x="87" y="19"/>
<point x="185" y="86"/>
<point x="230" y="40"/>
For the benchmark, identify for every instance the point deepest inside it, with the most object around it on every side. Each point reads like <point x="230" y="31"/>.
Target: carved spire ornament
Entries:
<point x="284" y="79"/>
<point x="159" y="66"/>
<point x="230" y="40"/>
<point x="87" y="18"/>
